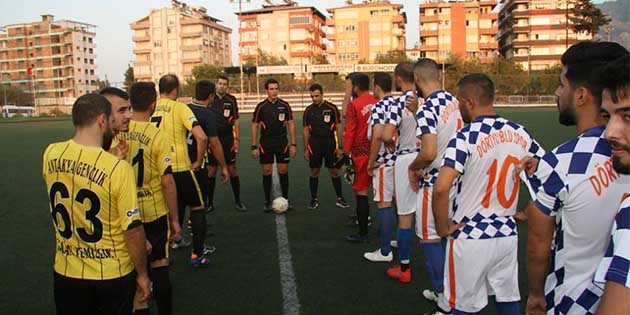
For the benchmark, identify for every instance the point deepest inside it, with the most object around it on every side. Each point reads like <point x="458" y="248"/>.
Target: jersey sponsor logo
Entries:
<point x="605" y="176"/>
<point x="90" y="172"/>
<point x="192" y="118"/>
<point x="366" y="109"/>
<point x="281" y="116"/>
<point x="489" y="142"/>
<point x="85" y="252"/>
<point x="133" y="212"/>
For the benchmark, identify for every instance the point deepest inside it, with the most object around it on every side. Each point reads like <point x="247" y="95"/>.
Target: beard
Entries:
<point x="354" y="94"/>
<point x="465" y="116"/>
<point x="619" y="166"/>
<point x="566" y="116"/>
<point x="108" y="138"/>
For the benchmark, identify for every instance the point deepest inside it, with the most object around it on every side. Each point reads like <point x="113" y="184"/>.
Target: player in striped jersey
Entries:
<point x="400" y="127"/>
<point x="381" y="166"/>
<point x="482" y="239"/>
<point x="575" y="191"/>
<point x="149" y="155"/>
<point x="613" y="273"/>
<point x="99" y="236"/>
<point x="438" y="121"/>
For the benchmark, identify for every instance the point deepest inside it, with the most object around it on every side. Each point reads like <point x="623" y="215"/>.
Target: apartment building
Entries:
<point x="463" y="28"/>
<point x="52" y="61"/>
<point x="289" y="31"/>
<point x="535" y="32"/>
<point x="362" y="31"/>
<point x="176" y="39"/>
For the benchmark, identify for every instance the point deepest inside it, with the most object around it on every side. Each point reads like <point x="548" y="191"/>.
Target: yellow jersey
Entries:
<point x="93" y="202"/>
<point x="149" y="156"/>
<point x="176" y="120"/>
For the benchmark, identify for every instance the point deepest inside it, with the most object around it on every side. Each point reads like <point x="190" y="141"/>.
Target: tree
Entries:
<point x="587" y="18"/>
<point x="129" y="78"/>
<point x="320" y="60"/>
<point x="14" y="96"/>
<point x="102" y="84"/>
<point x="394" y="56"/>
<point x="200" y="72"/>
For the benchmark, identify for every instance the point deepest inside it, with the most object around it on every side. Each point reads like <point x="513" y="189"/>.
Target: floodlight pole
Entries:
<point x="240" y="53"/>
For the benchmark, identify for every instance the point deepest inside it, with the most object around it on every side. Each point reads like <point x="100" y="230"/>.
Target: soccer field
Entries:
<point x="244" y="276"/>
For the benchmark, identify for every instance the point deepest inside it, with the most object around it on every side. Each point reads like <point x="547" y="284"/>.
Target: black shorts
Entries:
<point x="269" y="153"/>
<point x="322" y="151"/>
<point x="80" y="296"/>
<point x="157" y="233"/>
<point x="188" y="190"/>
<point x="204" y="182"/>
<point x="228" y="152"/>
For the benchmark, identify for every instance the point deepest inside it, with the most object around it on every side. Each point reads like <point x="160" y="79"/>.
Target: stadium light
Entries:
<point x="240" y="53"/>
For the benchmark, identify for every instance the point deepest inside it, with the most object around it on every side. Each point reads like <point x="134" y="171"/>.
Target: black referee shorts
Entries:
<point x="322" y="150"/>
<point x="268" y="153"/>
<point x="188" y="190"/>
<point x="157" y="233"/>
<point x="81" y="296"/>
<point x="228" y="152"/>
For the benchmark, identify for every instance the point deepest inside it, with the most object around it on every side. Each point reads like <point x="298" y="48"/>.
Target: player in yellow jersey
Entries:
<point x="177" y="121"/>
<point x="99" y="235"/>
<point x="149" y="156"/>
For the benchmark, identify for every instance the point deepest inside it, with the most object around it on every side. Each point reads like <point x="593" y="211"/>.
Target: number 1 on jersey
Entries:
<point x="503" y="175"/>
<point x="139" y="159"/>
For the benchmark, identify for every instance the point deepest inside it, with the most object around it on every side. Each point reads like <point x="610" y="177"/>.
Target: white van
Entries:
<point x="12" y="110"/>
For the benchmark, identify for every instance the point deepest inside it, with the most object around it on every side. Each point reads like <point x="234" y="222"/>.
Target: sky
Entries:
<point x="112" y="18"/>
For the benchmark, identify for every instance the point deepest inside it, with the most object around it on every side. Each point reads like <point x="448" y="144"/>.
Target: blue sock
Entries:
<point x="456" y="312"/>
<point x="404" y="246"/>
<point x="386" y="219"/>
<point x="507" y="308"/>
<point x="434" y="253"/>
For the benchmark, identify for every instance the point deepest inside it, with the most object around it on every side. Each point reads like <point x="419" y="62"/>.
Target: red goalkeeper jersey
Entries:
<point x="355" y="135"/>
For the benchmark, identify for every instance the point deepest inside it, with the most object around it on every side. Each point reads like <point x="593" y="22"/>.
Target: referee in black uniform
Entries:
<point x="204" y="94"/>
<point x="321" y="121"/>
<point x="226" y="109"/>
<point x="273" y="115"/>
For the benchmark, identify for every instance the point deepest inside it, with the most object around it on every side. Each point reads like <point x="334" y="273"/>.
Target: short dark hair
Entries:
<point x="478" y="86"/>
<point x="112" y="91"/>
<point x="316" y="86"/>
<point x="404" y="70"/>
<point x="223" y="77"/>
<point x="88" y="107"/>
<point x="426" y="68"/>
<point x="583" y="58"/>
<point x="168" y="83"/>
<point x="383" y="80"/>
<point x="615" y="77"/>
<point x="203" y="90"/>
<point x="143" y="94"/>
<point x="360" y="80"/>
<point x="271" y="81"/>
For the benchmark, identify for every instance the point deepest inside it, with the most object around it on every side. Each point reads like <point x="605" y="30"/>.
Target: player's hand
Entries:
<point x="235" y="147"/>
<point x="390" y="146"/>
<point x="255" y="153"/>
<point x="307" y="156"/>
<point x="149" y="247"/>
<point x="520" y="216"/>
<point x="339" y="154"/>
<point x="120" y="150"/>
<point x="196" y="166"/>
<point x="292" y="151"/>
<point x="527" y="164"/>
<point x="536" y="305"/>
<point x="143" y="288"/>
<point x="411" y="101"/>
<point x="452" y="228"/>
<point x="371" y="166"/>
<point x="176" y="231"/>
<point x="414" y="179"/>
<point x="225" y="176"/>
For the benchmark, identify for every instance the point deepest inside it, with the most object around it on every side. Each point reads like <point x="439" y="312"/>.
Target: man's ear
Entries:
<point x="101" y="120"/>
<point x="581" y="96"/>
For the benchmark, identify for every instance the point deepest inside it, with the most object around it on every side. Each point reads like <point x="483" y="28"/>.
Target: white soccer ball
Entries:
<point x="280" y="205"/>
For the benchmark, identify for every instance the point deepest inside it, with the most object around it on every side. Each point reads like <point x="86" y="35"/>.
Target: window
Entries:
<point x="300" y="19"/>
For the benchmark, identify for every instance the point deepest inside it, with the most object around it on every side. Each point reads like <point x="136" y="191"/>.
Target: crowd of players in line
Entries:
<point x="444" y="167"/>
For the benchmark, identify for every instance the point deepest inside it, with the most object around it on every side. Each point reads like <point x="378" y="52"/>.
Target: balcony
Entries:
<point x="399" y="32"/>
<point x="143" y="38"/>
<point x="398" y="19"/>
<point x="488" y="31"/>
<point x="140" y="25"/>
<point x="330" y="22"/>
<point x="424" y="33"/>
<point x="141" y="50"/>
<point x="191" y="47"/>
<point x="429" y="18"/>
<point x="331" y="36"/>
<point x="302" y="54"/>
<point x="494" y="45"/>
<point x="425" y="47"/>
<point x="191" y="34"/>
<point x="196" y="59"/>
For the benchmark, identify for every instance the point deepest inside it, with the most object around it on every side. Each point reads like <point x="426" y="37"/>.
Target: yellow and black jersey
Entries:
<point x="150" y="157"/>
<point x="93" y="202"/>
<point x="176" y="120"/>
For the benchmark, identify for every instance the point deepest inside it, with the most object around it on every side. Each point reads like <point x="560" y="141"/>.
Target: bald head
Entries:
<point x="404" y="71"/>
<point x="169" y="85"/>
<point x="426" y="70"/>
<point x="478" y="87"/>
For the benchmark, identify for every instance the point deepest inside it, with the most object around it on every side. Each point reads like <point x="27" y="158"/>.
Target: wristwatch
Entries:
<point x="293" y="145"/>
<point x="254" y="147"/>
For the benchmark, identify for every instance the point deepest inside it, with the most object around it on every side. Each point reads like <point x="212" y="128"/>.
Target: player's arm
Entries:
<point x="292" y="133"/>
<point x="616" y="299"/>
<point x="426" y="120"/>
<point x="351" y="129"/>
<point x="214" y="145"/>
<point x="540" y="228"/>
<point x="440" y="200"/>
<point x="170" y="195"/>
<point x="202" y="144"/>
<point x="375" y="143"/>
<point x="255" y="121"/>
<point x="306" y="134"/>
<point x="236" y="129"/>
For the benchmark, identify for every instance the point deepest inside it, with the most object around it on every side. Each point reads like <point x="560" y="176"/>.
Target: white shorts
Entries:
<point x="425" y="223"/>
<point x="383" y="184"/>
<point x="474" y="269"/>
<point x="407" y="201"/>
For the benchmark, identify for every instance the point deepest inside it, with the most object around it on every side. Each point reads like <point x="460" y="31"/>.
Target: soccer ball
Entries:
<point x="280" y="205"/>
